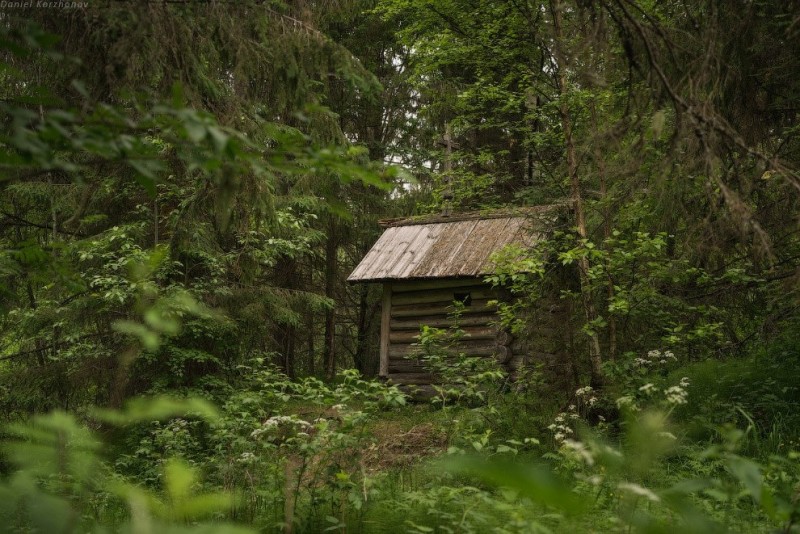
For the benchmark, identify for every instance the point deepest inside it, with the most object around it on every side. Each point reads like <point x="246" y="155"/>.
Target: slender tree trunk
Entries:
<point x="595" y="357"/>
<point x="361" y="332"/>
<point x="288" y="352"/>
<point x="311" y="351"/>
<point x="287" y="269"/>
<point x="601" y="171"/>
<point x="331" y="249"/>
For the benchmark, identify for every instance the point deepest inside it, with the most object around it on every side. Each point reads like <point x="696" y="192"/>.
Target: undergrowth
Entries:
<point x="703" y="447"/>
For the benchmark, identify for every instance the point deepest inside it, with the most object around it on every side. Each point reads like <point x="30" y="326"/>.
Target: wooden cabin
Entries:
<point x="424" y="264"/>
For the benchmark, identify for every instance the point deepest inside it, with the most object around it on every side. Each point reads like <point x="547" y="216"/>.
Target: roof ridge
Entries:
<point x="517" y="211"/>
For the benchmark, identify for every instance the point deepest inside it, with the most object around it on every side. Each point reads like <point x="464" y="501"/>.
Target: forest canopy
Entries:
<point x="186" y="187"/>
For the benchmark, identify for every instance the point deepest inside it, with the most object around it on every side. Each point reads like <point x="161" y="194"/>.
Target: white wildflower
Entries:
<point x="627" y="402"/>
<point x="272" y="422"/>
<point x="579" y="449"/>
<point x="676" y="395"/>
<point x="648" y="388"/>
<point x="246" y="458"/>
<point x="638" y="490"/>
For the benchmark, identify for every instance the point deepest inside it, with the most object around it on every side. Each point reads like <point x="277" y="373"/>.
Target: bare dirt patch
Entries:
<point x="397" y="447"/>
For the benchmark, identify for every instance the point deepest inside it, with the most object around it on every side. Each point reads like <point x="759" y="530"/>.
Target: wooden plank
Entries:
<point x="470" y="348"/>
<point x="470" y="333"/>
<point x="386" y="309"/>
<point x="482" y="245"/>
<point x="366" y="268"/>
<point x="438" y="283"/>
<point x="446" y="248"/>
<point x="403" y="351"/>
<point x="444" y="296"/>
<point x="434" y="308"/>
<point x="401" y="238"/>
<point x="427" y="238"/>
<point x="439" y="321"/>
<point x="407" y="366"/>
<point x="411" y="378"/>
<point x="442" y="259"/>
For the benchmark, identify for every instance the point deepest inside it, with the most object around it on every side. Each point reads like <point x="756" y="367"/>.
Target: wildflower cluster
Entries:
<point x="628" y="402"/>
<point x="561" y="428"/>
<point x="577" y="449"/>
<point x="673" y="395"/>
<point x="246" y="458"/>
<point x="284" y="422"/>
<point x="676" y="395"/>
<point x="586" y="395"/>
<point x="655" y="357"/>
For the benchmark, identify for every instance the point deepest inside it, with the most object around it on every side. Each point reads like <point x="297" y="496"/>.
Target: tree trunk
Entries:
<point x="360" y="357"/>
<point x="601" y="171"/>
<point x="311" y="351"/>
<point x="331" y="249"/>
<point x="595" y="358"/>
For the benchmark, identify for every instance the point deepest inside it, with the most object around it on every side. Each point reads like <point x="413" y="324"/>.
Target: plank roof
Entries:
<point x="448" y="247"/>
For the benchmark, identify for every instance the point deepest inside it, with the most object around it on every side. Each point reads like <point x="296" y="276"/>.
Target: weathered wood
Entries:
<point x="416" y="310"/>
<point x="399" y="352"/>
<point x="437" y="321"/>
<point x="385" y="329"/>
<point x="404" y="336"/>
<point x="443" y="296"/>
<point x="502" y="354"/>
<point x="475" y="348"/>
<point x="438" y="283"/>
<point x="504" y="337"/>
<point x="407" y="366"/>
<point x="411" y="378"/>
<point x="470" y="333"/>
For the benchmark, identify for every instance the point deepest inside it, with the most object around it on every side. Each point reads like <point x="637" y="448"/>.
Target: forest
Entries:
<point x="186" y="186"/>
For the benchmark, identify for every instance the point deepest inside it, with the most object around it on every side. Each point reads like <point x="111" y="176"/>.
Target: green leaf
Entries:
<point x="748" y="473"/>
<point x="533" y="481"/>
<point x="158" y="409"/>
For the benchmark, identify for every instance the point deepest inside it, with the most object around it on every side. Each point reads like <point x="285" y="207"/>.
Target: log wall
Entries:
<point x="409" y="305"/>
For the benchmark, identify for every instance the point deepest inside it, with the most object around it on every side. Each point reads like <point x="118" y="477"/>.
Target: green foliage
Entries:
<point x="458" y="378"/>
<point x="61" y="483"/>
<point x="183" y="188"/>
